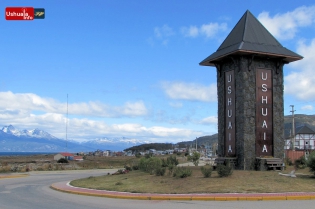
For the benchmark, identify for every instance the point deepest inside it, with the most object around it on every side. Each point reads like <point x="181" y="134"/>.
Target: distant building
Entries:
<point x="65" y="155"/>
<point x="78" y="158"/>
<point x="304" y="138"/>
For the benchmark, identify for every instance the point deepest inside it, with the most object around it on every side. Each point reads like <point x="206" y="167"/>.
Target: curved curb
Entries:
<point x="66" y="187"/>
<point x="14" y="176"/>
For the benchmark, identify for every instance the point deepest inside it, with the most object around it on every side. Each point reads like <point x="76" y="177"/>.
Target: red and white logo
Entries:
<point x="19" y="13"/>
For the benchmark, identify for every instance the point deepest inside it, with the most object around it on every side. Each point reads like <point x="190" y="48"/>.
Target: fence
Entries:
<point x="293" y="155"/>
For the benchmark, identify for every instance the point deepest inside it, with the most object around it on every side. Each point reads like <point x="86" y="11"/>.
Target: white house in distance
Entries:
<point x="65" y="155"/>
<point x="304" y="138"/>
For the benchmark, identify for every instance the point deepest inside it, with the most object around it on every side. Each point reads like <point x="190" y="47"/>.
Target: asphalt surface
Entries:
<point x="34" y="191"/>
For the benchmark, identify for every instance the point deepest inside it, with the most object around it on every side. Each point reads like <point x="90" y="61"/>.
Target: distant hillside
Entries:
<point x="300" y="119"/>
<point x="156" y="146"/>
<point x="204" y="140"/>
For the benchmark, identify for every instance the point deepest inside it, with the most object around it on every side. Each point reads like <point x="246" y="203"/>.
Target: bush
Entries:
<point x="181" y="172"/>
<point x="160" y="171"/>
<point x="135" y="167"/>
<point x="206" y="171"/>
<point x="169" y="161"/>
<point x="288" y="161"/>
<point x="300" y="163"/>
<point x="62" y="160"/>
<point x="148" y="155"/>
<point x="128" y="168"/>
<point x="224" y="170"/>
<point x="150" y="164"/>
<point x="311" y="162"/>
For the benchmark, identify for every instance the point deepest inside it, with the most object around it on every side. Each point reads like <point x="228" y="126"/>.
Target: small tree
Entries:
<point x="171" y="162"/>
<point x="194" y="158"/>
<point x="311" y="162"/>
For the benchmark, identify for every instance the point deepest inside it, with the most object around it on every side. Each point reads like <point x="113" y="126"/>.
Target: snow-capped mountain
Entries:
<point x="36" y="133"/>
<point x="112" y="143"/>
<point x="14" y="140"/>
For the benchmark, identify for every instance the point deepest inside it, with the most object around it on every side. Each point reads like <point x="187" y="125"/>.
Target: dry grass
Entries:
<point x="239" y="182"/>
<point x="46" y="162"/>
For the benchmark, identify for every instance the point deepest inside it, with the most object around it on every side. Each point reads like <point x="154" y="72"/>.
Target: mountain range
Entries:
<point x="14" y="140"/>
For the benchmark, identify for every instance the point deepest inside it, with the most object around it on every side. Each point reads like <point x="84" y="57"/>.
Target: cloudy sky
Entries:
<point x="131" y="68"/>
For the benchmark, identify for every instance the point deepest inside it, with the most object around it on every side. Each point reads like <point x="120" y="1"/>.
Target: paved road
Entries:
<point x="33" y="192"/>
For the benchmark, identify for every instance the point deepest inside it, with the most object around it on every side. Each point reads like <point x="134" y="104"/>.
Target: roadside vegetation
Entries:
<point x="240" y="181"/>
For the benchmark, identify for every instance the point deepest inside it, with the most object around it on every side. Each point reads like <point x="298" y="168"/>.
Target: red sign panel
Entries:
<point x="229" y="142"/>
<point x="264" y="113"/>
<point x="19" y="13"/>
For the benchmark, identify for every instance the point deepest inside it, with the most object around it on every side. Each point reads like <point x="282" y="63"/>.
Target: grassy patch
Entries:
<point x="239" y="181"/>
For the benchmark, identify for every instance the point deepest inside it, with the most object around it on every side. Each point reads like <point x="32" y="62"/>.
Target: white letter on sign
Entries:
<point x="264" y="87"/>
<point x="264" y="149"/>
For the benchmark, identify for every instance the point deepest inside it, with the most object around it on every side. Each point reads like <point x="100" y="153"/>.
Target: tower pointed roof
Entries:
<point x="249" y="36"/>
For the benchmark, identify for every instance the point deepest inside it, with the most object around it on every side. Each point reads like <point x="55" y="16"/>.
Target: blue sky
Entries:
<point x="131" y="68"/>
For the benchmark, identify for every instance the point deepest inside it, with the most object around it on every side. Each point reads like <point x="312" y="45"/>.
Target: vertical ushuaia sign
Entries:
<point x="264" y="127"/>
<point x="229" y="114"/>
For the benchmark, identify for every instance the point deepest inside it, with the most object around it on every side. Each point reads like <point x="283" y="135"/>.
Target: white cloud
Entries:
<point x="285" y="26"/>
<point x="301" y="82"/>
<point x="86" y="129"/>
<point x="176" y="104"/>
<point x="209" y="30"/>
<point x="307" y="107"/>
<point x="211" y="120"/>
<point x="190" y="91"/>
<point x="32" y="102"/>
<point x="164" y="31"/>
<point x="162" y="34"/>
<point x="16" y="109"/>
<point x="192" y="31"/>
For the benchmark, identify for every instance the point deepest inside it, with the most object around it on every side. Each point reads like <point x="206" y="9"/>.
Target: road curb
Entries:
<point x="14" y="176"/>
<point x="65" y="187"/>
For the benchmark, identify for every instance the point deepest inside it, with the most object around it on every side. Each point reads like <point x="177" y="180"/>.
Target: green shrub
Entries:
<point x="311" y="162"/>
<point x="160" y="171"/>
<point x="288" y="161"/>
<point x="171" y="160"/>
<point x="150" y="164"/>
<point x="181" y="172"/>
<point x="300" y="163"/>
<point x="224" y="170"/>
<point x="148" y="155"/>
<point x="128" y="168"/>
<point x="135" y="167"/>
<point x="62" y="160"/>
<point x="171" y="168"/>
<point x="206" y="171"/>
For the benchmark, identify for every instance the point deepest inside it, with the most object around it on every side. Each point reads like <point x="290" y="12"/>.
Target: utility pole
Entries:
<point x="293" y="129"/>
<point x="67" y="126"/>
<point x="196" y="144"/>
